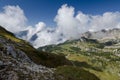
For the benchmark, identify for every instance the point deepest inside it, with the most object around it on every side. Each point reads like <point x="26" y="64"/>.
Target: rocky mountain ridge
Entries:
<point x="103" y="34"/>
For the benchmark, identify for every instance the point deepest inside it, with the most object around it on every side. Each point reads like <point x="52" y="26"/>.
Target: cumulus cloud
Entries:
<point x="106" y="21"/>
<point x="12" y="18"/>
<point x="69" y="26"/>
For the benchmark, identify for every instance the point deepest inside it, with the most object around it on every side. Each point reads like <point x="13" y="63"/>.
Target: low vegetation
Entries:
<point x="73" y="73"/>
<point x="99" y="58"/>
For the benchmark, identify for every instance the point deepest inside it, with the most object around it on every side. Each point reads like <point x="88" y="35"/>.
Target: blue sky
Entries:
<point x="46" y="10"/>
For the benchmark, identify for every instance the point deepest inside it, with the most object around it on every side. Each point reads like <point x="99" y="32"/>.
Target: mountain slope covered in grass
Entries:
<point x="100" y="56"/>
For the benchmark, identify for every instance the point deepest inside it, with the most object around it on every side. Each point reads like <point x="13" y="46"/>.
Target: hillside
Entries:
<point x="98" y="54"/>
<point x="20" y="61"/>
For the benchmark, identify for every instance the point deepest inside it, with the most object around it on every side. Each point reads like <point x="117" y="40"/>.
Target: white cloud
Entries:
<point x="69" y="26"/>
<point x="13" y="18"/>
<point x="106" y="21"/>
<point x="34" y="30"/>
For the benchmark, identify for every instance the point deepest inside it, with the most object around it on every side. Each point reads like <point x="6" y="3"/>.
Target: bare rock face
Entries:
<point x="9" y="75"/>
<point x="16" y="65"/>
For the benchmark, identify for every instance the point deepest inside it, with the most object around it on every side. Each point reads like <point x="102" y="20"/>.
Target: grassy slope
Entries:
<point x="104" y="63"/>
<point x="73" y="73"/>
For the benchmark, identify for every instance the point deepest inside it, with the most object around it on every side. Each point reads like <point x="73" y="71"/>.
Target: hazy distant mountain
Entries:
<point x="22" y="33"/>
<point x="103" y="34"/>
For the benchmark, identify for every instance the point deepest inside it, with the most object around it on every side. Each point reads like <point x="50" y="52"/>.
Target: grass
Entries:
<point x="12" y="38"/>
<point x="104" y="75"/>
<point x="73" y="73"/>
<point x="99" y="59"/>
<point x="8" y="35"/>
<point x="78" y="57"/>
<point x="44" y="58"/>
